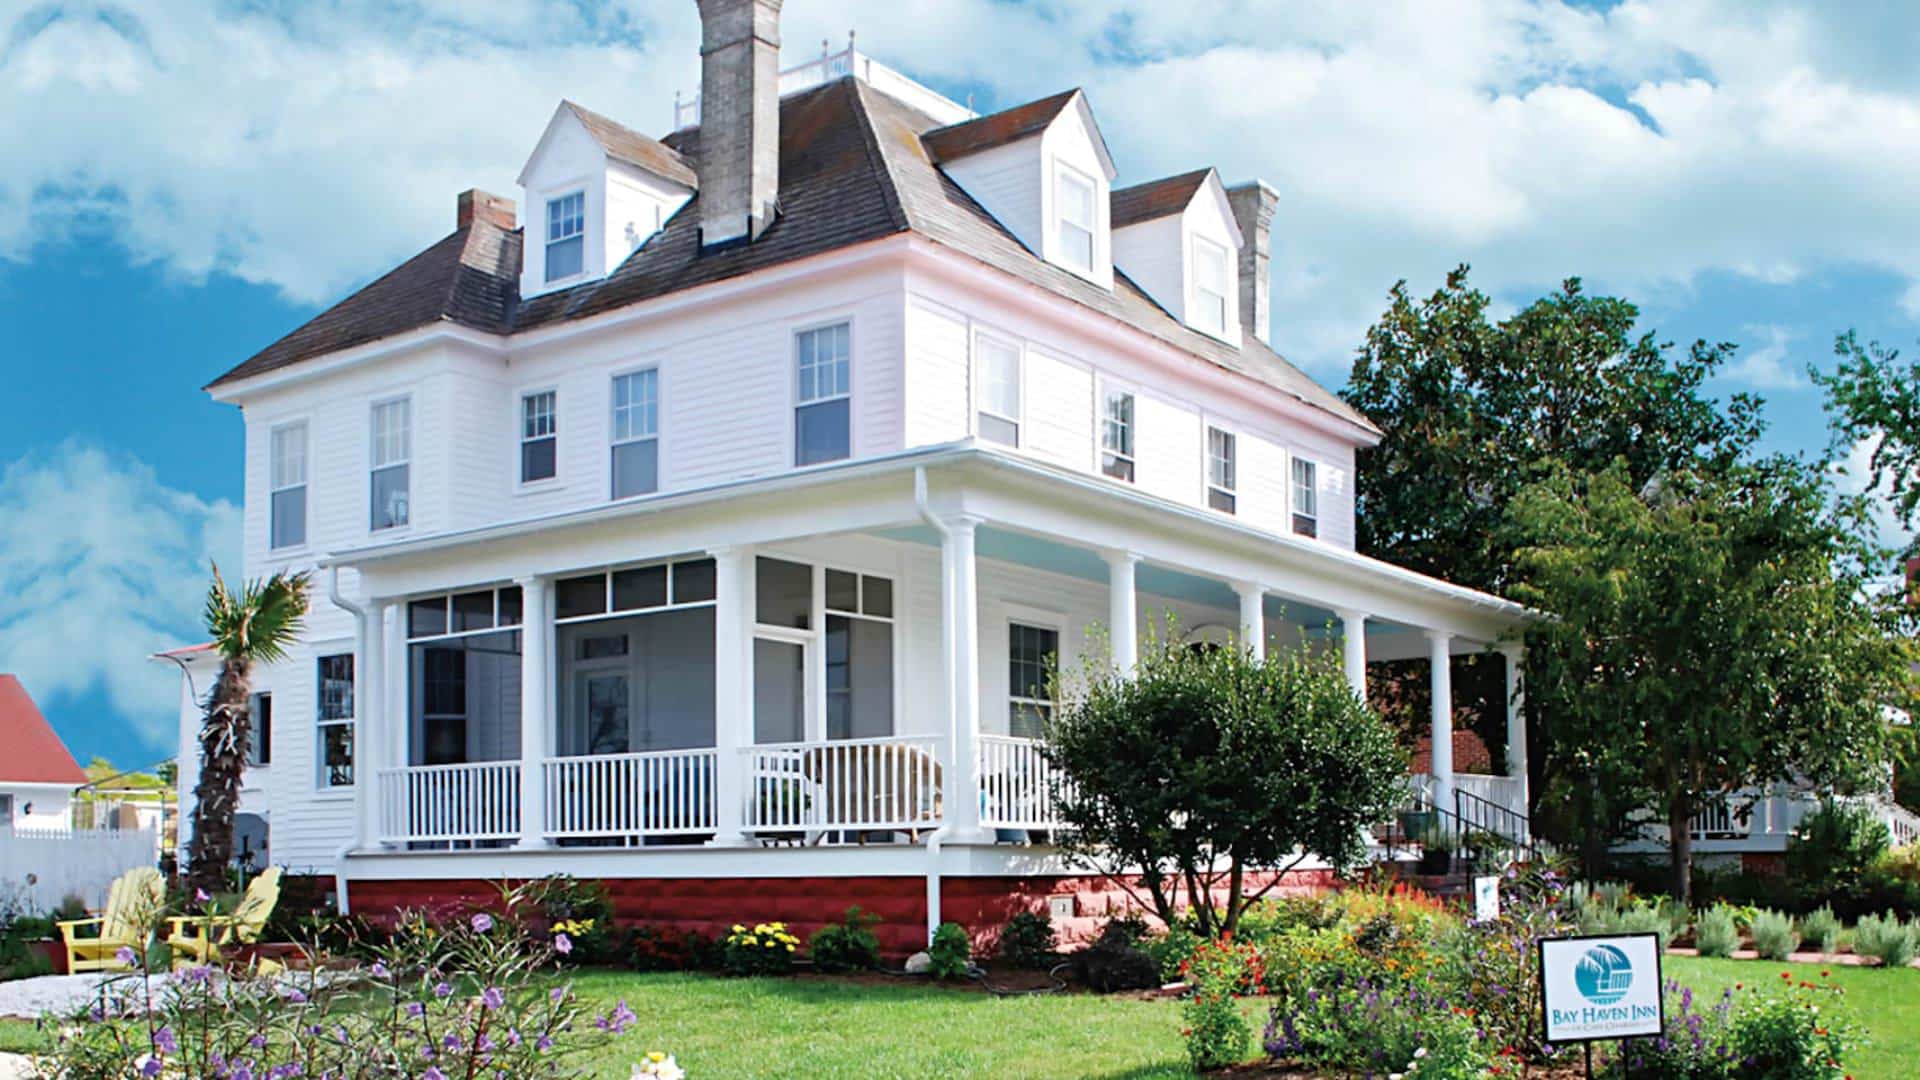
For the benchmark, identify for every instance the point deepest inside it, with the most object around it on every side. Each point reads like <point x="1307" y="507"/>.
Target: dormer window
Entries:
<point x="1209" y="286"/>
<point x="1074" y="202"/>
<point x="566" y="236"/>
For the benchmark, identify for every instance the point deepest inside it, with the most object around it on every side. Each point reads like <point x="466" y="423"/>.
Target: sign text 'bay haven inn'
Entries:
<point x="1601" y="987"/>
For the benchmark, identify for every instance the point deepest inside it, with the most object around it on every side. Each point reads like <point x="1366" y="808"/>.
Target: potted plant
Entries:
<point x="1436" y="851"/>
<point x="784" y="801"/>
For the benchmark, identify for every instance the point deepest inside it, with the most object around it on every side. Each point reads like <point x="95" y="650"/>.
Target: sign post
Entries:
<point x="1601" y="987"/>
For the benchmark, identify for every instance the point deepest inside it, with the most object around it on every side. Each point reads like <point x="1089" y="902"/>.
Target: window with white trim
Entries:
<point x="1116" y="435"/>
<point x="566" y="235"/>
<point x="1306" y="497"/>
<point x="260" y="738"/>
<point x="1032" y="654"/>
<point x="859" y="655"/>
<point x="823" y="409"/>
<point x="392" y="452"/>
<point x="1222" y="470"/>
<point x="335" y="720"/>
<point x="539" y="436"/>
<point x="1209" y="286"/>
<point x="287" y="486"/>
<point x="1073" y="198"/>
<point x="636" y="433"/>
<point x="998" y="364"/>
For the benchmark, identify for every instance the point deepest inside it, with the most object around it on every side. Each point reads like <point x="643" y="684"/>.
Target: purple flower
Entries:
<point x="415" y="1009"/>
<point x="492" y="998"/>
<point x="379" y="970"/>
<point x="442" y="990"/>
<point x="164" y="1042"/>
<point x="433" y="1073"/>
<point x="562" y="944"/>
<point x="558" y="994"/>
<point x="294" y="995"/>
<point x="200" y="896"/>
<point x="545" y="1042"/>
<point x="482" y="923"/>
<point x="151" y="1068"/>
<point x="126" y="955"/>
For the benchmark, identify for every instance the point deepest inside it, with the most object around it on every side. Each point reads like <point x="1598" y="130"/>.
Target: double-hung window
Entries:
<point x="1222" y="470"/>
<point x="288" y="483"/>
<point x="823" y="410"/>
<point x="539" y="436"/>
<point x="1209" y="286"/>
<point x="260" y="719"/>
<point x="1073" y="196"/>
<point x="636" y="433"/>
<point x="1306" y="498"/>
<point x="566" y="235"/>
<point x="392" y="451"/>
<point x="335" y="720"/>
<point x="1116" y="435"/>
<point x="999" y="375"/>
<point x="1032" y="653"/>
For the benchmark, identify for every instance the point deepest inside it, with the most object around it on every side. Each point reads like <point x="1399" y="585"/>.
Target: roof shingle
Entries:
<point x="996" y="129"/>
<point x="1156" y="198"/>
<point x="35" y="755"/>
<point x="628" y="145"/>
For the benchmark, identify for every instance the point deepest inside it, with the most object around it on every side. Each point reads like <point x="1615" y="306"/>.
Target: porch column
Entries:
<point x="372" y="719"/>
<point x="536" y="709"/>
<point x="1253" y="618"/>
<point x="1122" y="610"/>
<point x="1353" y="650"/>
<point x="962" y="629"/>
<point x="1516" y="657"/>
<point x="732" y="690"/>
<point x="1441" y="658"/>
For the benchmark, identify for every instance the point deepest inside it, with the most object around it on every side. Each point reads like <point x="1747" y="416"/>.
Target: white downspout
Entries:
<point x="949" y="676"/>
<point x="361" y="792"/>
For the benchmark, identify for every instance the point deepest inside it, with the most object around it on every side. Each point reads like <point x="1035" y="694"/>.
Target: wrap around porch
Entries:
<point x="862" y="660"/>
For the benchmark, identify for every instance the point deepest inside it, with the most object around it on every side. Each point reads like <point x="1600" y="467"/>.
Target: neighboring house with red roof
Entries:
<point x="37" y="772"/>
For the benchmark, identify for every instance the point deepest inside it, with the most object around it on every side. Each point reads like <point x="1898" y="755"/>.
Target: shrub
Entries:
<point x="1885" y="938"/>
<point x="1792" y="1033"/>
<point x="1822" y="929"/>
<point x="951" y="952"/>
<point x="1171" y="948"/>
<point x="1028" y="940"/>
<point x="1219" y="973"/>
<point x="848" y="946"/>
<point x="580" y="909"/>
<point x="1716" y="933"/>
<point x="1115" y="961"/>
<point x="1642" y="917"/>
<point x="1358" y="1028"/>
<point x="1774" y="935"/>
<point x="1492" y="967"/>
<point x="656" y="948"/>
<point x="765" y="949"/>
<point x="1833" y="850"/>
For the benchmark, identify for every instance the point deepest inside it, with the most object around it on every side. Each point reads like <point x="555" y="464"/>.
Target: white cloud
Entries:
<point x="100" y="566"/>
<point x="1766" y="367"/>
<point x="1643" y="146"/>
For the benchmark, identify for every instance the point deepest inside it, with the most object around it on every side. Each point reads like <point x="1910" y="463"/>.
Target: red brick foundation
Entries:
<point x="712" y="905"/>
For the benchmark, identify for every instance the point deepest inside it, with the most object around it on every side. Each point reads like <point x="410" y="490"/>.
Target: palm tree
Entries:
<point x="253" y="626"/>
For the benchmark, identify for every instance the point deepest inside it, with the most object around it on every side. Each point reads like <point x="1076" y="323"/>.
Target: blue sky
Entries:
<point x="184" y="182"/>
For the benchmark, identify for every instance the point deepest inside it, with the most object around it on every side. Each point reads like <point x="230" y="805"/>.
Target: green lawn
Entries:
<point x="723" y="1028"/>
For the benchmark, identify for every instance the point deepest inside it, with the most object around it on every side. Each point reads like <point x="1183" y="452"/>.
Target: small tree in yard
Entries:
<point x="1205" y="766"/>
<point x="252" y="626"/>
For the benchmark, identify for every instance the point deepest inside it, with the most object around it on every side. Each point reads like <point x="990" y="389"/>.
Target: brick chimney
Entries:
<point x="739" y="154"/>
<point x="1253" y="206"/>
<point x="490" y="208"/>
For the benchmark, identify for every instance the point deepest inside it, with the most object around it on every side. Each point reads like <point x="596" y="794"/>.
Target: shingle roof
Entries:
<point x="628" y="145"/>
<point x="1156" y="198"/>
<point x="995" y="129"/>
<point x="855" y="166"/>
<point x="34" y="754"/>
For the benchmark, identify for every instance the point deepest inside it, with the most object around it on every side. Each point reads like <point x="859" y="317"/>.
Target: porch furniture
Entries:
<point x="199" y="940"/>
<point x="133" y="903"/>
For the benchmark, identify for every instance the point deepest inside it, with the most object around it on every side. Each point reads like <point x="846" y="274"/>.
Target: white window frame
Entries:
<point x="1307" y="509"/>
<point x="982" y="406"/>
<point x="1013" y="614"/>
<point x="1211" y="301"/>
<point x="614" y="439"/>
<point x="1064" y="174"/>
<point x="1100" y="450"/>
<point x="376" y="464"/>
<point x="553" y="432"/>
<point x="322" y="723"/>
<point x="546" y="247"/>
<point x="275" y="487"/>
<point x="799" y="393"/>
<point x="1230" y="487"/>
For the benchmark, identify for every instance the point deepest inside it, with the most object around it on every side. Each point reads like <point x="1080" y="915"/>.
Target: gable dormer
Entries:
<point x="595" y="191"/>
<point x="1043" y="170"/>
<point x="1178" y="240"/>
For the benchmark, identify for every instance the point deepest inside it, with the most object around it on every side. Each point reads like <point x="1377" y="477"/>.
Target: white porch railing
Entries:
<point x="1017" y="784"/>
<point x="658" y="793"/>
<point x="425" y="803"/>
<point x="889" y="784"/>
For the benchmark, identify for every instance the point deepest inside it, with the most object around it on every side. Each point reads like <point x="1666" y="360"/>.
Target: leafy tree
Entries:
<point x="1205" y="765"/>
<point x="253" y="626"/>
<point x="1874" y="395"/>
<point x="1711" y="632"/>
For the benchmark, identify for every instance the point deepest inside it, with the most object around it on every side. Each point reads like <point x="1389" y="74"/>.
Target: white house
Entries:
<point x="707" y="535"/>
<point x="37" y="773"/>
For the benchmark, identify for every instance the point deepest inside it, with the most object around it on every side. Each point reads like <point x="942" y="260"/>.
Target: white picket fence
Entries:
<point x="41" y="867"/>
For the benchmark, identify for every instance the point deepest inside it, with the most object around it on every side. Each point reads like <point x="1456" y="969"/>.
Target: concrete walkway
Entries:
<point x="15" y="1067"/>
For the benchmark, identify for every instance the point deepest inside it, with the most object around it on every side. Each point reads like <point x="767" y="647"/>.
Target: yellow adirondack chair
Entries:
<point x="200" y="939"/>
<point x="133" y="905"/>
